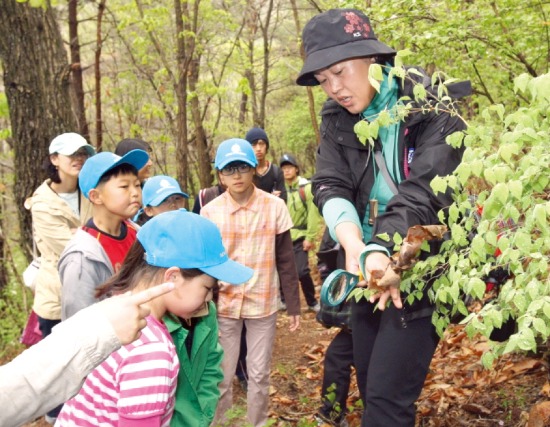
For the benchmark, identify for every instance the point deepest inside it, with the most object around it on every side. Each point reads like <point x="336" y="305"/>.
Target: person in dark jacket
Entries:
<point x="269" y="177"/>
<point x="364" y="192"/>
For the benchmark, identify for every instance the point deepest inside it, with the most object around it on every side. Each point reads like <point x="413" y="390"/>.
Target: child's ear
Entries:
<point x="172" y="274"/>
<point x="54" y="159"/>
<point x="149" y="211"/>
<point x="95" y="196"/>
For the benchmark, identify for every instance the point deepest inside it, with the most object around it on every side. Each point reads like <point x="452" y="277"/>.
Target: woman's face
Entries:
<point x="347" y="83"/>
<point x="69" y="166"/>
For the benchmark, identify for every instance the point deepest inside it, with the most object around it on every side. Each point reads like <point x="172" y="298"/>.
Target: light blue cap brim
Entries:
<point x="230" y="271"/>
<point x="97" y="166"/>
<point x="162" y="197"/>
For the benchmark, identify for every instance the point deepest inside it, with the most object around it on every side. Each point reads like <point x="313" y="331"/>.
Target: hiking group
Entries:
<point x="201" y="291"/>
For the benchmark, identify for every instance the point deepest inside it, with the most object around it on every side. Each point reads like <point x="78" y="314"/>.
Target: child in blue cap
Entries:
<point x="195" y="337"/>
<point x="137" y="384"/>
<point x="161" y="193"/>
<point x="97" y="250"/>
<point x="255" y="226"/>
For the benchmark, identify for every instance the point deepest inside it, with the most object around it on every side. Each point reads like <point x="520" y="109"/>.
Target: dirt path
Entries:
<point x="458" y="391"/>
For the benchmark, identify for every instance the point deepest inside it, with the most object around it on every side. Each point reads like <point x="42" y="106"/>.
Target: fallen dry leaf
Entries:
<point x="407" y="255"/>
<point x="476" y="409"/>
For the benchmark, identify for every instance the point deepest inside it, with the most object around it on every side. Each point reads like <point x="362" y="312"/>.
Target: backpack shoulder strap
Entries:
<point x="206" y="195"/>
<point x="302" y="193"/>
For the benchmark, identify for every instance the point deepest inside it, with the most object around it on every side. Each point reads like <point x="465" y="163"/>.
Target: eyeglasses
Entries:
<point x="241" y="168"/>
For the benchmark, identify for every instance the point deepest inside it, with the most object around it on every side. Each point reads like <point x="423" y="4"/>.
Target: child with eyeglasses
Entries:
<point x="255" y="227"/>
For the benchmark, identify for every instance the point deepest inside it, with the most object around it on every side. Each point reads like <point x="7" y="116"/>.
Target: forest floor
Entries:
<point x="457" y="392"/>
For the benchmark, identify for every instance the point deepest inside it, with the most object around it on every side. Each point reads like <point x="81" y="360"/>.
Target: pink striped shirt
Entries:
<point x="134" y="386"/>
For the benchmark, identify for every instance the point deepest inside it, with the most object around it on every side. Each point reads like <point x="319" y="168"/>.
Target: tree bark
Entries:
<point x="310" y="99"/>
<point x="201" y="140"/>
<point x="37" y="85"/>
<point x="76" y="65"/>
<point x="97" y="77"/>
<point x="182" y="156"/>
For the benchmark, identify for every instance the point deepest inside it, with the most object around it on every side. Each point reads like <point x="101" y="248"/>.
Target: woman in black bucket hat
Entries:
<point x="364" y="192"/>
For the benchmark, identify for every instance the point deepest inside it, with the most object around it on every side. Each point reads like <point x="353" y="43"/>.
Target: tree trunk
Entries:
<point x="204" y="165"/>
<point x="36" y="80"/>
<point x="310" y="99"/>
<point x="265" y="67"/>
<point x="76" y="65"/>
<point x="182" y="156"/>
<point x="97" y="77"/>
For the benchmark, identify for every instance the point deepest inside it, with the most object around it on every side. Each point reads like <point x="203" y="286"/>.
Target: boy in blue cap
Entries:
<point x="161" y="193"/>
<point x="255" y="228"/>
<point x="97" y="250"/>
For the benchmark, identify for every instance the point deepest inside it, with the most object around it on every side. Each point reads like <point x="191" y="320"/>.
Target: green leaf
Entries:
<point x="419" y="92"/>
<point x="439" y="185"/>
<point x="487" y="359"/>
<point x="384" y="118"/>
<point x="516" y="188"/>
<point x="361" y="129"/>
<point x="384" y="236"/>
<point x="540" y="327"/>
<point x="404" y="53"/>
<point x="546" y="309"/>
<point x="478" y="246"/>
<point x="477" y="287"/>
<point x="521" y="82"/>
<point x="499" y="108"/>
<point x="375" y="76"/>
<point x="526" y="340"/>
<point x="506" y="151"/>
<point x="539" y="214"/>
<point x="491" y="238"/>
<point x="397" y="239"/>
<point x="523" y="241"/>
<point x="501" y="192"/>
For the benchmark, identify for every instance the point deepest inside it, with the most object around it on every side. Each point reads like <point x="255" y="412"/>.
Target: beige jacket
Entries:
<point x="54" y="223"/>
<point x="52" y="371"/>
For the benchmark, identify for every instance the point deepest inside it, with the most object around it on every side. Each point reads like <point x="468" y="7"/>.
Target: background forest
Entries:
<point x="185" y="75"/>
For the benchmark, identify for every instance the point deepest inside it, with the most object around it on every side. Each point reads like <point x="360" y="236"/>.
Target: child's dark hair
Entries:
<point x="51" y="170"/>
<point x="134" y="270"/>
<point x="121" y="169"/>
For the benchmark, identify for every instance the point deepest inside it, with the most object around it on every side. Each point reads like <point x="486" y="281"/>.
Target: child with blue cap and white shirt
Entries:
<point x="161" y="193"/>
<point x="138" y="381"/>
<point x="255" y="227"/>
<point x="97" y="249"/>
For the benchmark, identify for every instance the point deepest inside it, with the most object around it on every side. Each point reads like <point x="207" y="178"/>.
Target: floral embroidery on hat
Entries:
<point x="356" y="25"/>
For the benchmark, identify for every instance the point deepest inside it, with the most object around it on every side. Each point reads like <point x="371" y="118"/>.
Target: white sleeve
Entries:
<point x="52" y="371"/>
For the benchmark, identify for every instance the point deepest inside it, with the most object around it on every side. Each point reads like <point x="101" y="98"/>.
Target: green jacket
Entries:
<point x="197" y="393"/>
<point x="305" y="215"/>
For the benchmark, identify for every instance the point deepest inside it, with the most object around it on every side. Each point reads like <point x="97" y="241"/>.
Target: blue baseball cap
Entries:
<point x="96" y="166"/>
<point x="158" y="188"/>
<point x="186" y="240"/>
<point x="235" y="150"/>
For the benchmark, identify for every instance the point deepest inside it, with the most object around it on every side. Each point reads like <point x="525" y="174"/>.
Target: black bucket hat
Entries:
<point x="334" y="36"/>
